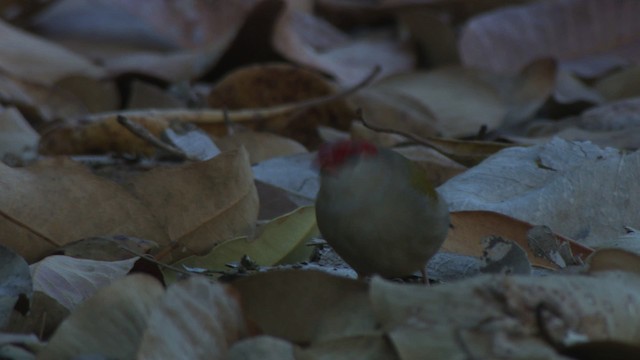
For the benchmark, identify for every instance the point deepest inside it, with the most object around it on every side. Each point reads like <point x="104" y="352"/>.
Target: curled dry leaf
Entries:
<point x="506" y="316"/>
<point x="470" y="227"/>
<point x="562" y="29"/>
<point x="612" y="259"/>
<point x="461" y="101"/>
<point x="124" y="309"/>
<point x="195" y="319"/>
<point x="577" y="189"/>
<point x="281" y="241"/>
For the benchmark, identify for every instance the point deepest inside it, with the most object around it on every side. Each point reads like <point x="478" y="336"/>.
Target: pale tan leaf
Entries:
<point x="261" y="145"/>
<point x="460" y="100"/>
<point x="112" y="323"/>
<point x="500" y="317"/>
<point x="196" y="319"/>
<point x="56" y="201"/>
<point x="577" y="189"/>
<point x="303" y="298"/>
<point x="201" y="204"/>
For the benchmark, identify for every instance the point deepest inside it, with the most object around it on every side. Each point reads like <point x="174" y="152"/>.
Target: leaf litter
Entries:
<point x="528" y="133"/>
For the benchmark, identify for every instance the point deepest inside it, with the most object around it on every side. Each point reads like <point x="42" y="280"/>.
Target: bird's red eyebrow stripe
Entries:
<point x="334" y="154"/>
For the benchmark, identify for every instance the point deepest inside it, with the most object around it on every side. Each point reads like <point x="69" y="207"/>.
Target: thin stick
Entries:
<point x="153" y="260"/>
<point x="213" y="116"/>
<point x="144" y="134"/>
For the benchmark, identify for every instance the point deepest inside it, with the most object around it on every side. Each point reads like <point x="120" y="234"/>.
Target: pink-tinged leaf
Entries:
<point x="71" y="281"/>
<point x="588" y="36"/>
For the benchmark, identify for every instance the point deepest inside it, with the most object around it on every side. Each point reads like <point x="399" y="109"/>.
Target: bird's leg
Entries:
<point x="425" y="277"/>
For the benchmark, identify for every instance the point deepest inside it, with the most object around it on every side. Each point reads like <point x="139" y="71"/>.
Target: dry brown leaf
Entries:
<point x="576" y="188"/>
<point x="506" y="317"/>
<point x="57" y="201"/>
<point x="261" y="145"/>
<point x="124" y="308"/>
<point x="107" y="248"/>
<point x="303" y="298"/>
<point x="103" y="132"/>
<point x="470" y="227"/>
<point x="611" y="259"/>
<point x="99" y="137"/>
<point x="196" y="319"/>
<point x="201" y="204"/>
<point x="460" y="100"/>
<point x="388" y="109"/>
<point x="438" y="167"/>
<point x="94" y="95"/>
<point x="44" y="316"/>
<point x="526" y="93"/>
<point x="590" y="37"/>
<point x="274" y="84"/>
<point x="466" y="152"/>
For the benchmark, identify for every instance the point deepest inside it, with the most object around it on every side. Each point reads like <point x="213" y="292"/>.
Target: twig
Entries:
<point x="144" y="134"/>
<point x="153" y="260"/>
<point x="213" y="116"/>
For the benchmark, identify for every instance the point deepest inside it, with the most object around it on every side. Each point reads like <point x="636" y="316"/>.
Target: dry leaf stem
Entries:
<point x="213" y="116"/>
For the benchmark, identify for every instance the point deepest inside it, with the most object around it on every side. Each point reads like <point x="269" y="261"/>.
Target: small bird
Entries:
<point x="378" y="210"/>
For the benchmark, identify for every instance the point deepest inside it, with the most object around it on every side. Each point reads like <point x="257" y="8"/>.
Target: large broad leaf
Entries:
<point x="196" y="319"/>
<point x="577" y="189"/>
<point x="590" y="36"/>
<point x="111" y="323"/>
